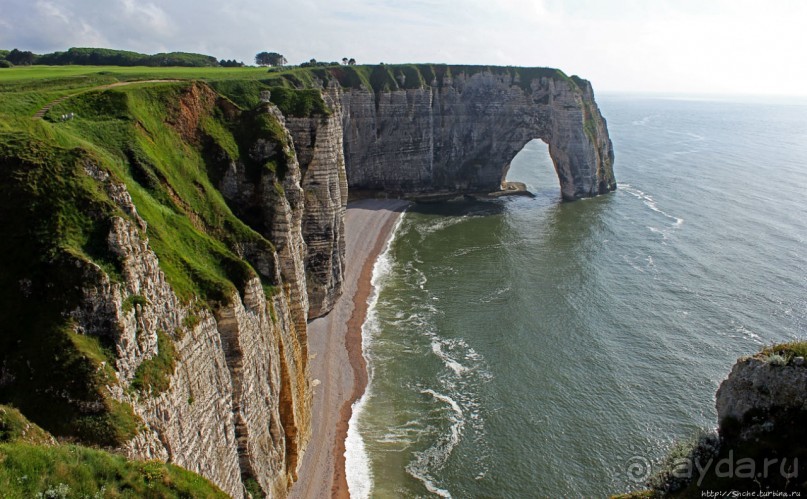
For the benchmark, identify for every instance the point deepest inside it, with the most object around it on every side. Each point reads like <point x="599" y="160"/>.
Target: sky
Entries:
<point x="654" y="46"/>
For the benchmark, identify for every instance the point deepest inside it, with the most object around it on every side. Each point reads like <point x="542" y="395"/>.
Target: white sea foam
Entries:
<point x="357" y="462"/>
<point x="436" y="456"/>
<point x="650" y="203"/>
<point x="458" y="405"/>
<point x="412" y="272"/>
<point x="494" y="295"/>
<point x="747" y="333"/>
<point x="405" y="434"/>
<point x="474" y="249"/>
<point x="437" y="348"/>
<point x="440" y="223"/>
<point x="632" y="262"/>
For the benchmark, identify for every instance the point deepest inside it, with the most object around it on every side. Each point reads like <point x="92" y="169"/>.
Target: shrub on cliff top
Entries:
<point x="299" y="103"/>
<point x="776" y="359"/>
<point x="787" y="351"/>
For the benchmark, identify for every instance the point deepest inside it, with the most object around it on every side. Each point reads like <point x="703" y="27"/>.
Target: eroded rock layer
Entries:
<point x="237" y="402"/>
<point x="320" y="152"/>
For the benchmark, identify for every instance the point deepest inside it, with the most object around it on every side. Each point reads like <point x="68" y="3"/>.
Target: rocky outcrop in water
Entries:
<point x="762" y="415"/>
<point x="761" y="396"/>
<point x="759" y="443"/>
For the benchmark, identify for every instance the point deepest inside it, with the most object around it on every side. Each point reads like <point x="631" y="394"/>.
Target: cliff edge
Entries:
<point x="155" y="280"/>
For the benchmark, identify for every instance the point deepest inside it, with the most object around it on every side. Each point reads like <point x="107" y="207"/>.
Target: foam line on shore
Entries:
<point x="357" y="462"/>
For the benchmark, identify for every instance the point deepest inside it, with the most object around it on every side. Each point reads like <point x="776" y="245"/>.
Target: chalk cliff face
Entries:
<point x="238" y="404"/>
<point x="238" y="401"/>
<point x="458" y="134"/>
<point x="216" y="383"/>
<point x="320" y="152"/>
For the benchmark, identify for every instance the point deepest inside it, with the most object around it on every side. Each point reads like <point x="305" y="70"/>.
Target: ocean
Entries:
<point x="527" y="347"/>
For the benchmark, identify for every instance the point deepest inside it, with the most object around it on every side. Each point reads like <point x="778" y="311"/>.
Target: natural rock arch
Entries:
<point x="459" y="134"/>
<point x="532" y="166"/>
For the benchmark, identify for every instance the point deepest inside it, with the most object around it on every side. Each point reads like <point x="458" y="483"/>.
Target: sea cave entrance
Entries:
<point x="533" y="167"/>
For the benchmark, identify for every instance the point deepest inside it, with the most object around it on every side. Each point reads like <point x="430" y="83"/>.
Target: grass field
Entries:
<point x="26" y="89"/>
<point x="120" y="73"/>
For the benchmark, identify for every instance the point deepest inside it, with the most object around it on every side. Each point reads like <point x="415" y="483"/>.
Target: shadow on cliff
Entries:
<point x="462" y="207"/>
<point x="550" y="211"/>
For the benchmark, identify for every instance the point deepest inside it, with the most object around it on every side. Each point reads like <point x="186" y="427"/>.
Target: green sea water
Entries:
<point x="527" y="347"/>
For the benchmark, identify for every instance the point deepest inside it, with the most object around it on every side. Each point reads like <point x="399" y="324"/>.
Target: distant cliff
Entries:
<point x="425" y="129"/>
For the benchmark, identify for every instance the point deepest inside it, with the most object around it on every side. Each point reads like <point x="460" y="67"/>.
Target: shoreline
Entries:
<point x="355" y="350"/>
<point x="338" y="366"/>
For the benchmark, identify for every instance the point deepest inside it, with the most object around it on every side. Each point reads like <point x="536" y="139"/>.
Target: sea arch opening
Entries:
<point x="533" y="167"/>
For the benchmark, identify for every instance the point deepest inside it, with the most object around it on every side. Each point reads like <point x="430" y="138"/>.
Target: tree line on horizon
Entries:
<point x="275" y="59"/>
<point x="114" y="57"/>
<point x="110" y="57"/>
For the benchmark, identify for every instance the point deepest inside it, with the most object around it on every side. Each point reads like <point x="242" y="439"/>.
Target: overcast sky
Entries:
<point x="679" y="46"/>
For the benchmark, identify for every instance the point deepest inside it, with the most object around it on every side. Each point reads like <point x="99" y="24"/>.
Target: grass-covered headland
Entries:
<point x="166" y="142"/>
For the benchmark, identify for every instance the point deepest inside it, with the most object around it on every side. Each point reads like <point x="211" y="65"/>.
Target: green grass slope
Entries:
<point x="34" y="86"/>
<point x="33" y="465"/>
<point x="167" y="143"/>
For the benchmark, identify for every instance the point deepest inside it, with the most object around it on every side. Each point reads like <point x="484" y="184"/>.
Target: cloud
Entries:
<point x="52" y="11"/>
<point x="146" y="17"/>
<point x="664" y="45"/>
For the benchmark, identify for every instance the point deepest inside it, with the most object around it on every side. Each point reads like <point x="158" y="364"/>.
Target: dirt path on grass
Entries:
<point x="41" y="113"/>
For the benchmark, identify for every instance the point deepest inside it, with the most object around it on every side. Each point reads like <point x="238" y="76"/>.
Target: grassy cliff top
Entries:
<point x="784" y="352"/>
<point x="26" y="89"/>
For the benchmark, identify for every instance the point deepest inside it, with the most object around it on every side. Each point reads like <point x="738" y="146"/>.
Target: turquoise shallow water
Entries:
<point x="533" y="348"/>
